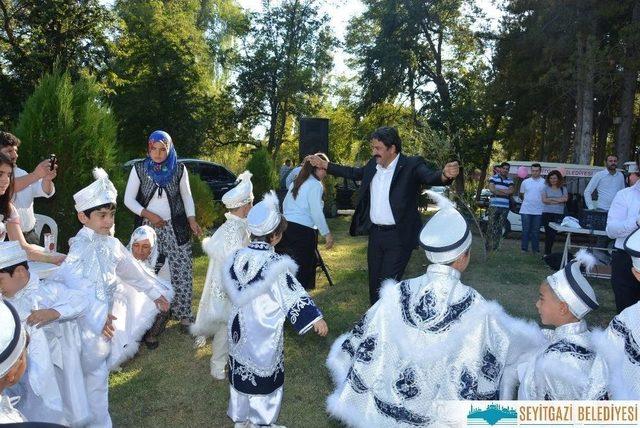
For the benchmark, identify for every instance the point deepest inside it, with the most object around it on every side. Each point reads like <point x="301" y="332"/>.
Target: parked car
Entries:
<point x="219" y="178"/>
<point x="576" y="179"/>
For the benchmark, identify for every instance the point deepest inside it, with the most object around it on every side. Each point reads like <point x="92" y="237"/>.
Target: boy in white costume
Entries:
<point x="96" y="263"/>
<point x="214" y="307"/>
<point x="427" y="339"/>
<point x="13" y="360"/>
<point x="133" y="310"/>
<point x="619" y="345"/>
<point x="563" y="367"/>
<point x="264" y="293"/>
<point x="42" y="306"/>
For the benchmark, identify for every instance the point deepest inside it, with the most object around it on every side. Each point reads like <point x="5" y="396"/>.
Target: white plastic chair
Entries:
<point x="43" y="220"/>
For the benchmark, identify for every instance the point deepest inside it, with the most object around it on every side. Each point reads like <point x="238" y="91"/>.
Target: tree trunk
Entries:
<point x="584" y="132"/>
<point x="493" y="130"/>
<point x="604" y="125"/>
<point x="629" y="86"/>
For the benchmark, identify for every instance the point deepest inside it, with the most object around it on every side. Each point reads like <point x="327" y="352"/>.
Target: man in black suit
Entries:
<point x="387" y="208"/>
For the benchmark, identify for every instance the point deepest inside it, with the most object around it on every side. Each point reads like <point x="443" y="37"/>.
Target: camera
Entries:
<point x="53" y="160"/>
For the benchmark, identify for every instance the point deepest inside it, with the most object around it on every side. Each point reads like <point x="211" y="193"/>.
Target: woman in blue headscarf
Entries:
<point x="159" y="195"/>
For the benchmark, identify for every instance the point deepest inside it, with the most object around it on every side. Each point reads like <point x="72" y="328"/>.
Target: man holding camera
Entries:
<point x="37" y="184"/>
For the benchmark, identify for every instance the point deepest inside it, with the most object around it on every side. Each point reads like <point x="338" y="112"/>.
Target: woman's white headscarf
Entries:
<point x="140" y="234"/>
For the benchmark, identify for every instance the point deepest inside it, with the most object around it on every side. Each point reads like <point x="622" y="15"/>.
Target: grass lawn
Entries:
<point x="171" y="385"/>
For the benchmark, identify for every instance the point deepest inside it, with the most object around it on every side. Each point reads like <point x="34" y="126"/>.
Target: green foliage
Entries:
<point x="288" y="55"/>
<point x="70" y="120"/>
<point x="209" y="213"/>
<point x="162" y="75"/>
<point x="35" y="35"/>
<point x="265" y="176"/>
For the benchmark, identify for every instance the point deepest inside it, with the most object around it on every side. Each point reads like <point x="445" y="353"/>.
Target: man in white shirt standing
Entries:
<point x="531" y="209"/>
<point x="28" y="186"/>
<point x="607" y="183"/>
<point x="387" y="207"/>
<point x="624" y="219"/>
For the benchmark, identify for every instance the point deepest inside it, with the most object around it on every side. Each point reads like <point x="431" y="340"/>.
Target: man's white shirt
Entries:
<point x="380" y="211"/>
<point x="23" y="200"/>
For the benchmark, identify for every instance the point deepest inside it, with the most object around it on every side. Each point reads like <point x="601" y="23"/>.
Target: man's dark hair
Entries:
<point x="503" y="164"/>
<point x="536" y="165"/>
<point x="110" y="206"/>
<point x="282" y="226"/>
<point x="611" y="155"/>
<point x="389" y="136"/>
<point x="11" y="269"/>
<point x="8" y="139"/>
<point x="287" y="162"/>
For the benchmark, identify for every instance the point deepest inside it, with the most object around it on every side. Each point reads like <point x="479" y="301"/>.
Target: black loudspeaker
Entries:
<point x="314" y="136"/>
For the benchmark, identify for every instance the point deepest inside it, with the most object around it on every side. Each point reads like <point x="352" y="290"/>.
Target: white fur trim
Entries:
<point x="100" y="174"/>
<point x="611" y="350"/>
<point x="239" y="298"/>
<point x="338" y="362"/>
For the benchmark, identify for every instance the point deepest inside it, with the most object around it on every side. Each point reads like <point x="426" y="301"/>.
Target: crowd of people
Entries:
<point x="431" y="337"/>
<point x="544" y="201"/>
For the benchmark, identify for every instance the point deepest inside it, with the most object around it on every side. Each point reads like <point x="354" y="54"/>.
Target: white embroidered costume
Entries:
<point x="95" y="265"/>
<point x="13" y="339"/>
<point x="428" y="338"/>
<point x="41" y="398"/>
<point x="135" y="312"/>
<point x="8" y="413"/>
<point x="619" y="348"/>
<point x="262" y="287"/>
<point x="264" y="293"/>
<point x="214" y="307"/>
<point x="564" y="367"/>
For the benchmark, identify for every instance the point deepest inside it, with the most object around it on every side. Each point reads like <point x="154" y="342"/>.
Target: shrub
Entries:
<point x="264" y="173"/>
<point x="69" y="119"/>
<point x="209" y="213"/>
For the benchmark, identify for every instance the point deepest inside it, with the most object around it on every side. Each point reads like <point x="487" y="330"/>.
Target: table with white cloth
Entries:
<point x="599" y="271"/>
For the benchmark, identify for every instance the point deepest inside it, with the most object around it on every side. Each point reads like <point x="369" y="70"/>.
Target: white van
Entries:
<point x="576" y="178"/>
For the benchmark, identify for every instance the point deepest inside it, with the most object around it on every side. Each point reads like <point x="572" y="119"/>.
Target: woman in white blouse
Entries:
<point x="159" y="195"/>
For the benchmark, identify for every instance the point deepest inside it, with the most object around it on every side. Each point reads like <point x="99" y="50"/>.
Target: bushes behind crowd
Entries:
<point x="68" y="118"/>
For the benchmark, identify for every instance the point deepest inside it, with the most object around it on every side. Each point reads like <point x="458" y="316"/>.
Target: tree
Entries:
<point x="71" y="120"/>
<point x="35" y="35"/>
<point x="163" y="75"/>
<point x="285" y="61"/>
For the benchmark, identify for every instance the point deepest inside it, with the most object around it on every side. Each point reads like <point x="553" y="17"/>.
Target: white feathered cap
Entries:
<point x="100" y="192"/>
<point x="572" y="287"/>
<point x="446" y="236"/>
<point x="13" y="337"/>
<point x="265" y="216"/>
<point x="11" y="253"/>
<point x="241" y="194"/>
<point x="632" y="246"/>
